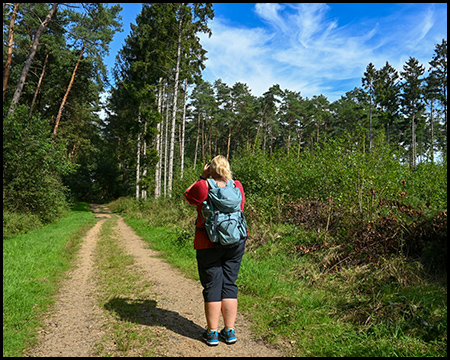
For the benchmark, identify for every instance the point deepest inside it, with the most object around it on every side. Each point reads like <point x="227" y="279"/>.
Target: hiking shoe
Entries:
<point x="229" y="336"/>
<point x="211" y="338"/>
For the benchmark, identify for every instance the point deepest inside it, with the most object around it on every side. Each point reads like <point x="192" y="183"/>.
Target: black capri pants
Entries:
<point x="218" y="269"/>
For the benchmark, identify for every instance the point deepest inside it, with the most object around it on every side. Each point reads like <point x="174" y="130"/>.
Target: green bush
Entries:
<point x="14" y="223"/>
<point x="355" y="180"/>
<point x="369" y="202"/>
<point x="33" y="164"/>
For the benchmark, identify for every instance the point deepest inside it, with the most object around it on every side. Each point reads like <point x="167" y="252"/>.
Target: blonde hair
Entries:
<point x="221" y="167"/>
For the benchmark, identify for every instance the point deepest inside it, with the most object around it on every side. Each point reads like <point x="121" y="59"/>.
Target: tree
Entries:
<point x="204" y="106"/>
<point x="438" y="71"/>
<point x="183" y="128"/>
<point x="190" y="21"/>
<point x="387" y="93"/>
<point x="267" y="123"/>
<point x="411" y="98"/>
<point x="431" y="91"/>
<point x="29" y="61"/>
<point x="10" y="50"/>
<point x="368" y="82"/>
<point x="95" y="29"/>
<point x="321" y="114"/>
<point x="291" y="110"/>
<point x="349" y="113"/>
<point x="33" y="167"/>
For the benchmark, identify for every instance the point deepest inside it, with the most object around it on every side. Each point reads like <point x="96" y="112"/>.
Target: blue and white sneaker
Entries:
<point x="211" y="338"/>
<point x="229" y="336"/>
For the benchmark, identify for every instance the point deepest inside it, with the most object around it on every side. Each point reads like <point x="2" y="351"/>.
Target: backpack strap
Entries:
<point x="212" y="183"/>
<point x="231" y="183"/>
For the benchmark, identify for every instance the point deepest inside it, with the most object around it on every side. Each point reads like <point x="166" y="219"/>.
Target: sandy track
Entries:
<point x="75" y="324"/>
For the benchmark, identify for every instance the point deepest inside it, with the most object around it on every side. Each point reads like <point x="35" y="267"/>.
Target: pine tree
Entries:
<point x="368" y="82"/>
<point x="387" y="92"/>
<point x="412" y="99"/>
<point x="30" y="59"/>
<point x="438" y="71"/>
<point x="10" y="49"/>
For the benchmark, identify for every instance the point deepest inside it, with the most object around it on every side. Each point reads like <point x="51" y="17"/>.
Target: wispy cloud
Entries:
<point x="302" y="48"/>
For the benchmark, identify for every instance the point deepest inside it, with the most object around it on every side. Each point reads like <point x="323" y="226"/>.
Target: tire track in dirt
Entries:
<point x="182" y="300"/>
<point x="76" y="324"/>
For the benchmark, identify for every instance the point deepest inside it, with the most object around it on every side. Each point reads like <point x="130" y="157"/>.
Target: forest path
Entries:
<point x="76" y="326"/>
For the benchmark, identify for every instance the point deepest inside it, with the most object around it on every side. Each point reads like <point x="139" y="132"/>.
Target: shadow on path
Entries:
<point x="146" y="312"/>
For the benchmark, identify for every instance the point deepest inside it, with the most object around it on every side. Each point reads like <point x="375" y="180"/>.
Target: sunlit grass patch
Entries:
<point x="33" y="265"/>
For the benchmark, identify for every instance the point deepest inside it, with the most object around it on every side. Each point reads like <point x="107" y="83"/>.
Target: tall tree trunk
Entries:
<point x="229" y="142"/>
<point x="38" y="85"/>
<point x="197" y="140"/>
<point x="138" y="158"/>
<point x="166" y="142"/>
<point x="289" y="136"/>
<point x="300" y="143"/>
<point x="144" y="152"/>
<point x="72" y="79"/>
<point x="10" y="49"/>
<point x="413" y="141"/>
<point x="158" y="145"/>
<point x="174" y="110"/>
<point x="264" y="129"/>
<point x="29" y="61"/>
<point x="432" y="132"/>
<point x="183" y="128"/>
<point x="203" y="138"/>
<point x="74" y="148"/>
<point x="260" y="124"/>
<point x="370" y="122"/>
<point x="210" y="143"/>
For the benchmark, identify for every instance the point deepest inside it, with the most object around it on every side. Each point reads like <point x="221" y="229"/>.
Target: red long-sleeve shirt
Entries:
<point x="195" y="195"/>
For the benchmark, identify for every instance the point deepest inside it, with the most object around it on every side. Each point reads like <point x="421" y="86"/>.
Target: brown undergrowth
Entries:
<point x="397" y="228"/>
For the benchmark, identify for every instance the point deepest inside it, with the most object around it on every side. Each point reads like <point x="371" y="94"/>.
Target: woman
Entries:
<point x="218" y="267"/>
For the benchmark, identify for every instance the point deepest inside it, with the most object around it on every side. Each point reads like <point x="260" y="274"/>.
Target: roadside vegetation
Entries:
<point x="341" y="260"/>
<point x="34" y="264"/>
<point x="346" y="201"/>
<point x="122" y="289"/>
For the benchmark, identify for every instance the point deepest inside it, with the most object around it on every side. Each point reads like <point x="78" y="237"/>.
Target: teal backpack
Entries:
<point x="224" y="221"/>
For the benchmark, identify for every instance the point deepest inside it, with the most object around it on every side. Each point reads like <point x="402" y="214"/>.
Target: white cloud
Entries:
<point x="269" y="12"/>
<point x="303" y="49"/>
<point x="238" y="55"/>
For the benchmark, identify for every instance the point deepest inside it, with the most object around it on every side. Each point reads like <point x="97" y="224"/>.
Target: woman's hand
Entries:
<point x="206" y="171"/>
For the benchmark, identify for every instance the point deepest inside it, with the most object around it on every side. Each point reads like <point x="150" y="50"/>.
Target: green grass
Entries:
<point x="175" y="244"/>
<point x="127" y="296"/>
<point x="33" y="265"/>
<point x="391" y="310"/>
<point x="388" y="310"/>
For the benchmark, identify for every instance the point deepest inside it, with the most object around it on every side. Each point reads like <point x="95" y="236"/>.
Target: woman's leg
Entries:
<point x="212" y="313"/>
<point x="229" y="311"/>
<point x="230" y="266"/>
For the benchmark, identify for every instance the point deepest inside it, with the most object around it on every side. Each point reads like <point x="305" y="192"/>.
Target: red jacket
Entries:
<point x="195" y="195"/>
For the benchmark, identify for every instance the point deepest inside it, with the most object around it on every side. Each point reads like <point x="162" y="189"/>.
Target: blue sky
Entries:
<point x="310" y="47"/>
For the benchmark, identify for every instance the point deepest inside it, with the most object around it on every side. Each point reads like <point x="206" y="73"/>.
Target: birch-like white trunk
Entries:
<point x="138" y="166"/>
<point x="158" y="146"/>
<point x="166" y="135"/>
<point x="144" y="172"/>
<point x="138" y="160"/>
<point x="174" y="111"/>
<point x="183" y="128"/>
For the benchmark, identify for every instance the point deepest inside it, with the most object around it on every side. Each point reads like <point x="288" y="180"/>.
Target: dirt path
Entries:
<point x="76" y="324"/>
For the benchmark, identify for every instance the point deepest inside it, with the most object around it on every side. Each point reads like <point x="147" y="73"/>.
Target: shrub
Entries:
<point x="15" y="223"/>
<point x="33" y="164"/>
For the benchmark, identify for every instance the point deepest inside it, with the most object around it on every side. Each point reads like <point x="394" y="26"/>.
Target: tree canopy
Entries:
<point x="161" y="116"/>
